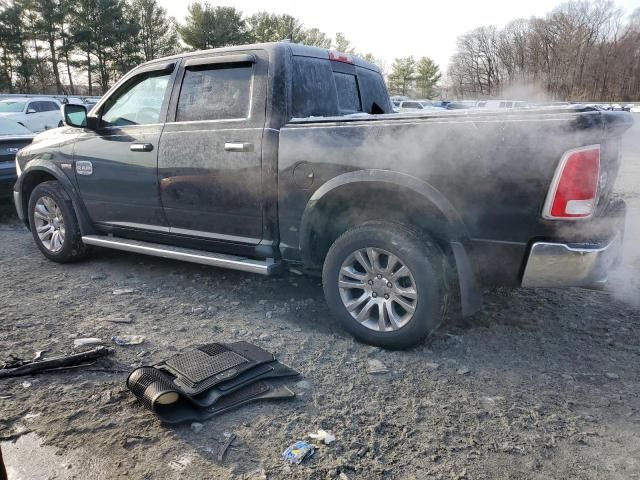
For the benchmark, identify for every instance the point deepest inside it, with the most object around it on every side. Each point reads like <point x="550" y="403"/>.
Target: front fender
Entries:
<point x="37" y="171"/>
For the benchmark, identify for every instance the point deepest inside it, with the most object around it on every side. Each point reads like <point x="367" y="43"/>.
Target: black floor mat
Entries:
<point x="184" y="411"/>
<point x="211" y="379"/>
<point x="261" y="372"/>
<point x="209" y="365"/>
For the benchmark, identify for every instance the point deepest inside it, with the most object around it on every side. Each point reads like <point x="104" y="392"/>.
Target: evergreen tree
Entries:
<point x="427" y="76"/>
<point x="211" y="27"/>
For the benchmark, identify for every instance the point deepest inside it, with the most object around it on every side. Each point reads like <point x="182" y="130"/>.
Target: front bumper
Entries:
<point x="7" y="175"/>
<point x="571" y="265"/>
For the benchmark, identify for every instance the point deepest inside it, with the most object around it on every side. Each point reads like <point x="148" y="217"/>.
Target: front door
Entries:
<point x="116" y="165"/>
<point x="210" y="155"/>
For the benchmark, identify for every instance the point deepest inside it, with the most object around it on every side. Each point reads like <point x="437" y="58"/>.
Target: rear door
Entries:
<point x="34" y="119"/>
<point x="116" y="165"/>
<point x="210" y="155"/>
<point x="51" y="115"/>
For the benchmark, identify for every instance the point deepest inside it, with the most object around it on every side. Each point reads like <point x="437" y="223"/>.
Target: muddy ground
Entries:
<point x="540" y="384"/>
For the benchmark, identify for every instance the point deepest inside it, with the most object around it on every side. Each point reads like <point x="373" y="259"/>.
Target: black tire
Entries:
<point x="73" y="249"/>
<point x="420" y="255"/>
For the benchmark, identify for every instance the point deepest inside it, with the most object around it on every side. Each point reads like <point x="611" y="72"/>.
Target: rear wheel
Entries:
<point x="54" y="225"/>
<point x="386" y="284"/>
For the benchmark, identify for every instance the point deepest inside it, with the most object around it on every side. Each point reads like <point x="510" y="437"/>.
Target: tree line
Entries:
<point x="582" y="50"/>
<point x="83" y="46"/>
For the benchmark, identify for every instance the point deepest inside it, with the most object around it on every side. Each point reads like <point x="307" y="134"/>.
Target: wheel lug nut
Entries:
<point x="386" y="296"/>
<point x="374" y="294"/>
<point x="370" y="282"/>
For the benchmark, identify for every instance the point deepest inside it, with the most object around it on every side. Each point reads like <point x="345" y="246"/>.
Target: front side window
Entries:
<point x="215" y="92"/>
<point x="138" y="102"/>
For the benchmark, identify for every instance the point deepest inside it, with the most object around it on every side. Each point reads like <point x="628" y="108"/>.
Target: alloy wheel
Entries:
<point x="378" y="289"/>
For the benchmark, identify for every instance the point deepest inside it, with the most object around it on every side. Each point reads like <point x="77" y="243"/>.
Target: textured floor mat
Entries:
<point x="184" y="411"/>
<point x="209" y="365"/>
<point x="261" y="372"/>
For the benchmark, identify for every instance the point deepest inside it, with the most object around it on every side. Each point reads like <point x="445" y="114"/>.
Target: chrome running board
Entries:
<point x="264" y="267"/>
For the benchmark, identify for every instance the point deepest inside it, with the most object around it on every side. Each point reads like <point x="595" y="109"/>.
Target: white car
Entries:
<point x="417" y="106"/>
<point x="35" y="113"/>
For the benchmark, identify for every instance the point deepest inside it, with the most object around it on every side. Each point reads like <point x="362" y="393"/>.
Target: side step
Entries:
<point x="266" y="267"/>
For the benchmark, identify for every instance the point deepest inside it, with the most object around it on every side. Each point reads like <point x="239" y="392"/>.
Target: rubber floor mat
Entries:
<point x="265" y="371"/>
<point x="184" y="411"/>
<point x="209" y="365"/>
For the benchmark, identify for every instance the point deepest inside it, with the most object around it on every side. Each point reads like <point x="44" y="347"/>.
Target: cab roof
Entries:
<point x="292" y="48"/>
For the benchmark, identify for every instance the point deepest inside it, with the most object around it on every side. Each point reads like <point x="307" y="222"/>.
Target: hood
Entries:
<point x="53" y="133"/>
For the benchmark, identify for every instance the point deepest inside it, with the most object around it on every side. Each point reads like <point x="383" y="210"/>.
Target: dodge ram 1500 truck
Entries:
<point x="263" y="157"/>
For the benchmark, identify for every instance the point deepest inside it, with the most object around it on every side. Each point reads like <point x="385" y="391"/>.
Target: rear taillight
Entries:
<point x="574" y="188"/>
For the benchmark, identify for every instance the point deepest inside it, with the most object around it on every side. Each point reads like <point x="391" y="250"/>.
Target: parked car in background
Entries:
<point x="461" y="105"/>
<point x="408" y="106"/>
<point x="13" y="137"/>
<point x="503" y="104"/>
<point x="35" y="113"/>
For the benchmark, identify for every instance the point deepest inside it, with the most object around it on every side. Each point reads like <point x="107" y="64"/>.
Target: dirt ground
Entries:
<point x="540" y="384"/>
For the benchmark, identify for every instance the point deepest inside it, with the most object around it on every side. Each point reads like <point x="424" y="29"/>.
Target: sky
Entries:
<point x="396" y="28"/>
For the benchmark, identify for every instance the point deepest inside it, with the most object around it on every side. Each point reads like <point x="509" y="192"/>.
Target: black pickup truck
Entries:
<point x="267" y="157"/>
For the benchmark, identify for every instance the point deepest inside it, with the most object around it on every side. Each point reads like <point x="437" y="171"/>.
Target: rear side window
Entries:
<point x="215" y="92"/>
<point x="313" y="90"/>
<point x="48" y="106"/>
<point x="348" y="94"/>
<point x="505" y="105"/>
<point x="375" y="98"/>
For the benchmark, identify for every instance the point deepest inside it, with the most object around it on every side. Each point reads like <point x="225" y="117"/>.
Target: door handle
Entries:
<point x="237" y="147"/>
<point x="141" y="147"/>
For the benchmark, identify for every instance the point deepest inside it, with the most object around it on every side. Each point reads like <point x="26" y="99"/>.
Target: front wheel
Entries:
<point x="54" y="225"/>
<point x="386" y="284"/>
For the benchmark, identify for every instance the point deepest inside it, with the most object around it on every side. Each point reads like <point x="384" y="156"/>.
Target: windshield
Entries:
<point x="10" y="106"/>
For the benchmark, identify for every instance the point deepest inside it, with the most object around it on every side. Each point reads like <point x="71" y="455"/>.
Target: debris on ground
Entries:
<point x="323" y="436"/>
<point x="54" y="363"/>
<point x="123" y="291"/>
<point x="463" y="370"/>
<point x="124" y="340"/>
<point x="196" y="427"/>
<point x="375" y="366"/>
<point x="85" y="342"/>
<point x="297" y="452"/>
<point x="225" y="447"/>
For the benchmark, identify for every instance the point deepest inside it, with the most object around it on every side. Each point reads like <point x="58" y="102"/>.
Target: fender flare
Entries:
<point x="40" y="165"/>
<point x="458" y="235"/>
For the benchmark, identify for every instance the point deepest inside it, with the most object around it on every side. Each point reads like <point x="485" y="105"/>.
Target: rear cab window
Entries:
<point x="326" y="88"/>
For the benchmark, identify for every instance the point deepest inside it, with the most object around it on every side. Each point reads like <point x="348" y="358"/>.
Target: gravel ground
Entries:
<point x="540" y="384"/>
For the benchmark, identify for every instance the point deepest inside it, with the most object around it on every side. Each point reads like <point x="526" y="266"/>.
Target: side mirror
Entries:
<point x="74" y="115"/>
<point x="31" y="110"/>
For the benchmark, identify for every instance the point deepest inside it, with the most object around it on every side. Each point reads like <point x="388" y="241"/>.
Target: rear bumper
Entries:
<point x="571" y="265"/>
